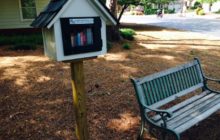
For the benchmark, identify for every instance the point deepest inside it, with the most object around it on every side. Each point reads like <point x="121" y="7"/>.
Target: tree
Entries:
<point x="210" y="2"/>
<point x="113" y="31"/>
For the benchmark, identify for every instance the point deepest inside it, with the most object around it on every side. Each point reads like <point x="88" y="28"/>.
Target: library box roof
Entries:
<point x="55" y="8"/>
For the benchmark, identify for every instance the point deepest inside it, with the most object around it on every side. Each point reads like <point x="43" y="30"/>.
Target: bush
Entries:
<point x="150" y="11"/>
<point x="127" y="33"/>
<point x="127" y="46"/>
<point x="196" y="5"/>
<point x="199" y="11"/>
<point x="218" y="12"/>
<point x="23" y="46"/>
<point x="35" y="39"/>
<point x="169" y="11"/>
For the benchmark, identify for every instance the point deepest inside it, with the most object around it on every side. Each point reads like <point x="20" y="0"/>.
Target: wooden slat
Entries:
<point x="189" y="76"/>
<point x="196" y="119"/>
<point x="166" y="72"/>
<point x="173" y="97"/>
<point x="165" y="88"/>
<point x="181" y="115"/>
<point x="199" y="71"/>
<point x="183" y="104"/>
<point x="150" y="95"/>
<point x="146" y="94"/>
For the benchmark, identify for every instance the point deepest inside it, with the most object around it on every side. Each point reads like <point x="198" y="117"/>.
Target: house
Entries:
<point x="18" y="14"/>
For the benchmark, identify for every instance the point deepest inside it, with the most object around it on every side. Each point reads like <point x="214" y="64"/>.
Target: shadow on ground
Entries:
<point x="36" y="100"/>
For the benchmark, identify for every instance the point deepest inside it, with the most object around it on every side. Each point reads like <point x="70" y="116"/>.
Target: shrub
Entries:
<point x="196" y="5"/>
<point x="127" y="33"/>
<point x="169" y="11"/>
<point x="150" y="11"/>
<point x="127" y="46"/>
<point x="23" y="46"/>
<point x="21" y="39"/>
<point x="199" y="11"/>
<point x="218" y="12"/>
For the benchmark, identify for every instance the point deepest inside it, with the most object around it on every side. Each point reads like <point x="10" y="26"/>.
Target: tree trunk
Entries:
<point x="113" y="31"/>
<point x="112" y="5"/>
<point x="210" y="7"/>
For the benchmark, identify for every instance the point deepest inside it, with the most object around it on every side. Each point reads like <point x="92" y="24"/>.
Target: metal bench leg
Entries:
<point x="140" y="136"/>
<point x="164" y="134"/>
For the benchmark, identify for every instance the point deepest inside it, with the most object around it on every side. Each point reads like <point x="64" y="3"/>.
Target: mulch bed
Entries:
<point x="36" y="96"/>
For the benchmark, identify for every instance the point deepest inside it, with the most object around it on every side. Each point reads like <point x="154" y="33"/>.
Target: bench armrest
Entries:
<point x="159" y="111"/>
<point x="211" y="79"/>
<point x="163" y="114"/>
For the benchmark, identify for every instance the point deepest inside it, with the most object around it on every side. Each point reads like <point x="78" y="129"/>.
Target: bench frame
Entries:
<point x="164" y="114"/>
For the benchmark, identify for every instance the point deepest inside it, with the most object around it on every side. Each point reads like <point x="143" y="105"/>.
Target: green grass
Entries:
<point x="126" y="46"/>
<point x="127" y="33"/>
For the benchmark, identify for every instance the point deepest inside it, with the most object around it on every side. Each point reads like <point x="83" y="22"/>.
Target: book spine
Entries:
<point x="81" y="38"/>
<point x="84" y="38"/>
<point x="78" y="40"/>
<point x="72" y="40"/>
<point x="89" y="36"/>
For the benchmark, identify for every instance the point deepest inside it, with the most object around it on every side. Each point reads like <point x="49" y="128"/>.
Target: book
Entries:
<point x="89" y="36"/>
<point x="78" y="40"/>
<point x="72" y="38"/>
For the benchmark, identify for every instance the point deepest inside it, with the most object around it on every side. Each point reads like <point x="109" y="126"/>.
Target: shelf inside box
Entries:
<point x="80" y="37"/>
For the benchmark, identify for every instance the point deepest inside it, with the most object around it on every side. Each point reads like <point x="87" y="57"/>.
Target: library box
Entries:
<point x="74" y="29"/>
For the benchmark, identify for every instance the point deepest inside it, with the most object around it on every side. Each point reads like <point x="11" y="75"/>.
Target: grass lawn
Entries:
<point x="35" y="93"/>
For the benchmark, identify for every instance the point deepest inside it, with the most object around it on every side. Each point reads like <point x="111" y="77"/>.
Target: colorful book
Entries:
<point x="72" y="40"/>
<point x="78" y="39"/>
<point x="89" y="36"/>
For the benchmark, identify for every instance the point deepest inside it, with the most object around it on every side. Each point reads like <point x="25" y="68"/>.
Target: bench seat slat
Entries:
<point x="196" y="119"/>
<point x="190" y="108"/>
<point x="183" y="104"/>
<point x="184" y="114"/>
<point x="173" y="97"/>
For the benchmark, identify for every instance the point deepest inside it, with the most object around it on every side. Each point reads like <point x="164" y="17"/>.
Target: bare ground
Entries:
<point x="35" y="93"/>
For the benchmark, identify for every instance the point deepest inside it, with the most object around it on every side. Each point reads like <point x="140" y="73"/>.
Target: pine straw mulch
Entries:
<point x="35" y="93"/>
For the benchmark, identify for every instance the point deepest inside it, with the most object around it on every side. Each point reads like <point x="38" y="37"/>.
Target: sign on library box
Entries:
<point x="74" y="29"/>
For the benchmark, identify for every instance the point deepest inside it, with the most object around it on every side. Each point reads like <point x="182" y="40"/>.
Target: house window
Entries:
<point x="28" y="9"/>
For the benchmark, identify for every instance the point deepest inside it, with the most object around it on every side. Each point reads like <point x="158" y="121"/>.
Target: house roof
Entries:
<point x="55" y="6"/>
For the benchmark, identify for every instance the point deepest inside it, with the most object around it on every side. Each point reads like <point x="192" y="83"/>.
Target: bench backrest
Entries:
<point x="160" y="88"/>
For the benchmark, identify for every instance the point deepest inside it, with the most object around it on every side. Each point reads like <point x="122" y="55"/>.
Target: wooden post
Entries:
<point x="79" y="100"/>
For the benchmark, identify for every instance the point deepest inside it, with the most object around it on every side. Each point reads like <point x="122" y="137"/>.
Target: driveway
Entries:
<point x="209" y="24"/>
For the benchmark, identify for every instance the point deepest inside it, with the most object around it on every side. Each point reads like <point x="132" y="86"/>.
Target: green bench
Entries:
<point x="156" y="91"/>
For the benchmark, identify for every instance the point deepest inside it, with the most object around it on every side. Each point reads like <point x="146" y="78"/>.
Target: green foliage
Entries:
<point x="218" y="12"/>
<point x="127" y="33"/>
<point x="129" y="2"/>
<point x="150" y="11"/>
<point x="199" y="11"/>
<point x="35" y="39"/>
<point x="207" y="1"/>
<point x="196" y="5"/>
<point x="23" y="46"/>
<point x="126" y="46"/>
<point x="169" y="11"/>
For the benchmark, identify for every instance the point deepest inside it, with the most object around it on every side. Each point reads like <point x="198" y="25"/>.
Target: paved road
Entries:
<point x="207" y="24"/>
